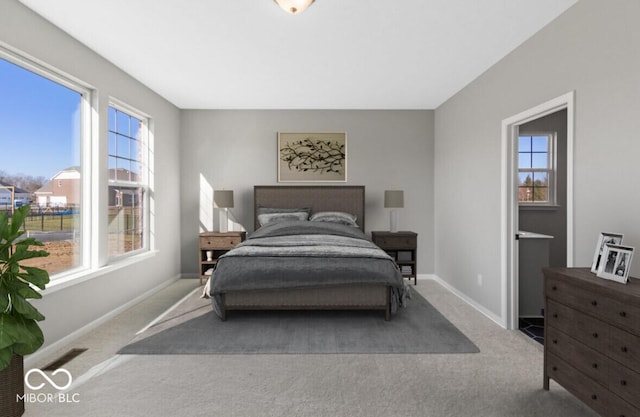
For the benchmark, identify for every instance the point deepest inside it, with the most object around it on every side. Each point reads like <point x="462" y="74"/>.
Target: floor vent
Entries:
<point x="64" y="359"/>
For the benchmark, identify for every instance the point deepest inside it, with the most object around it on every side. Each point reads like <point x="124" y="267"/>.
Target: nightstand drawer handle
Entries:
<point x="623" y="383"/>
<point x="594" y="397"/>
<point x="594" y="303"/>
<point x="595" y="335"/>
<point x="555" y="315"/>
<point x="555" y="341"/>
<point x="594" y="365"/>
<point x="623" y="314"/>
<point x="554" y="288"/>
<point x="624" y="349"/>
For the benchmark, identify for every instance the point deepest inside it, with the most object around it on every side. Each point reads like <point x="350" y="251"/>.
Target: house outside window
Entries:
<point x="537" y="169"/>
<point x="128" y="181"/>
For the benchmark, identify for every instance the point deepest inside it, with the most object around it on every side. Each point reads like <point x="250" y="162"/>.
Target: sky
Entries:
<point x="39" y="123"/>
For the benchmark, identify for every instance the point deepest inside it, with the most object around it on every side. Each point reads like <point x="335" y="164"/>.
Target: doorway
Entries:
<point x="532" y="120"/>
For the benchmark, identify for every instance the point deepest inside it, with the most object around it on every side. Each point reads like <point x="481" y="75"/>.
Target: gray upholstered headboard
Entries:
<point x="347" y="198"/>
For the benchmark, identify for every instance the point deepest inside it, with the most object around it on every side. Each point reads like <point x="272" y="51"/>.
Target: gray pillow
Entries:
<point x="339" y="217"/>
<point x="266" y="218"/>
<point x="268" y="210"/>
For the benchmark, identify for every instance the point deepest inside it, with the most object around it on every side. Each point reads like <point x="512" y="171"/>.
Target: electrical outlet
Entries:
<point x="479" y="280"/>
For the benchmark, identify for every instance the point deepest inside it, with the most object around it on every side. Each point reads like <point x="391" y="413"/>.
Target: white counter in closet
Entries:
<point x="533" y="256"/>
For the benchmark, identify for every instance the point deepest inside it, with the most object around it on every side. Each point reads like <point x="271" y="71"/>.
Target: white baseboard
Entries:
<point x="426" y="276"/>
<point x="489" y="314"/>
<point x="34" y="358"/>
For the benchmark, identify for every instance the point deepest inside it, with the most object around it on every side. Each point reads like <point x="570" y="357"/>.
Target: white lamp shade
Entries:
<point x="223" y="198"/>
<point x="294" y="6"/>
<point x="394" y="199"/>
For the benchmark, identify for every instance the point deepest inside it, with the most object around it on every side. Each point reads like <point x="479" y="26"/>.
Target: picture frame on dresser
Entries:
<point x="603" y="239"/>
<point x="616" y="263"/>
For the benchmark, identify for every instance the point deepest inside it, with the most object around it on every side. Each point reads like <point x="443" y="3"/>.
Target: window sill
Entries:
<point x="532" y="207"/>
<point x="75" y="278"/>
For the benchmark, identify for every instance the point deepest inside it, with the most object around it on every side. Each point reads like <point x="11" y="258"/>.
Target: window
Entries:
<point x="47" y="159"/>
<point x="536" y="169"/>
<point x="43" y="120"/>
<point x="128" y="181"/>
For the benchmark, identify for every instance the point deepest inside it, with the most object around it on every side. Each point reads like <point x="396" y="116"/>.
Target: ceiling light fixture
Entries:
<point x="294" y="6"/>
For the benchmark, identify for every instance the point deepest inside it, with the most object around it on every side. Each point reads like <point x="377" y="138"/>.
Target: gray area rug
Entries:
<point x="193" y="328"/>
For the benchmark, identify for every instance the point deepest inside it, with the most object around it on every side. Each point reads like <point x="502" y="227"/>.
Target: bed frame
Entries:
<point x="350" y="297"/>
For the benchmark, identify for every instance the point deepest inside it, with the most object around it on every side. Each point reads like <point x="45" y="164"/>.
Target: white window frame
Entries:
<point x="146" y="136"/>
<point x="87" y="115"/>
<point x="551" y="171"/>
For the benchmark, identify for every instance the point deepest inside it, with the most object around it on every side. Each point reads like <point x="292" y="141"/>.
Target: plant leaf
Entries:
<point x="27" y="292"/>
<point x="6" y="355"/>
<point x="22" y="252"/>
<point x="31" y="338"/>
<point x="18" y="219"/>
<point x="14" y="286"/>
<point x="19" y="330"/>
<point x="4" y="299"/>
<point x="9" y="333"/>
<point x="29" y="241"/>
<point x="23" y="307"/>
<point x="37" y="276"/>
<point x="4" y="221"/>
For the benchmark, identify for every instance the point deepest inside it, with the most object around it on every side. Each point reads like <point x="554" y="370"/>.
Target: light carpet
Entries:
<point x="193" y="328"/>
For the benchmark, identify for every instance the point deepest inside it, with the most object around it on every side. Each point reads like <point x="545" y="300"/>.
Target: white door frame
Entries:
<point x="509" y="197"/>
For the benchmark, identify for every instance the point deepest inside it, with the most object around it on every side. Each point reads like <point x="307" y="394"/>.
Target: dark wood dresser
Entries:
<point x="592" y="339"/>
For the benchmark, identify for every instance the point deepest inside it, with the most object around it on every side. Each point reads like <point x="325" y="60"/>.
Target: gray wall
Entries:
<point x="78" y="304"/>
<point x="592" y="49"/>
<point x="237" y="149"/>
<point x="551" y="221"/>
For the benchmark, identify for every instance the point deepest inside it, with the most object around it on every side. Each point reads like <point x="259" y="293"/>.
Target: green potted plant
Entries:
<point x="20" y="333"/>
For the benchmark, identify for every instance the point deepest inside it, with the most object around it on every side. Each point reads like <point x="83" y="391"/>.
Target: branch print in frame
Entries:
<point x="312" y="157"/>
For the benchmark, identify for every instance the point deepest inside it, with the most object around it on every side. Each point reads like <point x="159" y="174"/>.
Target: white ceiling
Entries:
<point x="339" y="54"/>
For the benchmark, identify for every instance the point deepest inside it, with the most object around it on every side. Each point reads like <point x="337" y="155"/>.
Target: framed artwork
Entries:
<point x="615" y="263"/>
<point x="312" y="157"/>
<point x="603" y="240"/>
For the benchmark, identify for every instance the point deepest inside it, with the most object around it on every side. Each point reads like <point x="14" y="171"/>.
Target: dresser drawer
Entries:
<point x="617" y="378"/>
<point x="605" y="308"/>
<point x="593" y="394"/>
<point x="584" y="359"/>
<point x="396" y="242"/>
<point x="611" y="341"/>
<point x="625" y="348"/>
<point x="578" y="325"/>
<point x="219" y="242"/>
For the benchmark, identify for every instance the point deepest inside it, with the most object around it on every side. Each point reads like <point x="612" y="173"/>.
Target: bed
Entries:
<point x="292" y="263"/>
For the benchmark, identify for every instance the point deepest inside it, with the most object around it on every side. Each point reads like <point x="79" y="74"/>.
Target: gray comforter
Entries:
<point x="303" y="254"/>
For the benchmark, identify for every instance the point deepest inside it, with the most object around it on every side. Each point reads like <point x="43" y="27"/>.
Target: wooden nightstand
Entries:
<point x="217" y="244"/>
<point x="402" y="247"/>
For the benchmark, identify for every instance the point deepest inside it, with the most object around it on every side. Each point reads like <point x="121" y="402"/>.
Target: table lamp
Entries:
<point x="394" y="199"/>
<point x="223" y="199"/>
